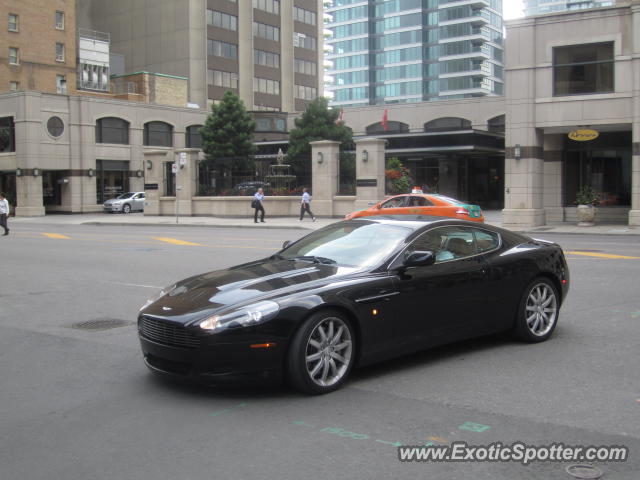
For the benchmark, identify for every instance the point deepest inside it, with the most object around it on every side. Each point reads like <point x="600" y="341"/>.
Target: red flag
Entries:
<point x="385" y="126"/>
<point x="339" y="120"/>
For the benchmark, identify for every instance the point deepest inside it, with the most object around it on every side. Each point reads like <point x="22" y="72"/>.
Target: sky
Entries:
<point x="512" y="9"/>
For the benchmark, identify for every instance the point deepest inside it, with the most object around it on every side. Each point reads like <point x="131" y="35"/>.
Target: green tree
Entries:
<point x="227" y="135"/>
<point x="318" y="122"/>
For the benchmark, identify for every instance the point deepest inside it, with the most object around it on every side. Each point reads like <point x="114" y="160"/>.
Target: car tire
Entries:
<point x="538" y="311"/>
<point x="322" y="353"/>
<point x="126" y="208"/>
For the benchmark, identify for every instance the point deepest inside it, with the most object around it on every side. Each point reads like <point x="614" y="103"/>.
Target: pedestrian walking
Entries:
<point x="4" y="213"/>
<point x="256" y="203"/>
<point x="304" y="205"/>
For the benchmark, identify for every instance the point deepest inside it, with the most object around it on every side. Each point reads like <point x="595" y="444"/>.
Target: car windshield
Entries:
<point x="353" y="244"/>
<point x="125" y="195"/>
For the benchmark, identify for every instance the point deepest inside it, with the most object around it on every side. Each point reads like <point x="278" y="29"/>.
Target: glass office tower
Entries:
<point x="538" y="7"/>
<point x="400" y="51"/>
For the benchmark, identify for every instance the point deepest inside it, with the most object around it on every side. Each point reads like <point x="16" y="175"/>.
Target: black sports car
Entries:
<point x="353" y="293"/>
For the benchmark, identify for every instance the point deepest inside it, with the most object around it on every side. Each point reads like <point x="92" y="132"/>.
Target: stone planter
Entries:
<point x="586" y="215"/>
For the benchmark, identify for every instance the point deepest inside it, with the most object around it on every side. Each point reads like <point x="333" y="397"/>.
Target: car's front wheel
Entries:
<point x="538" y="311"/>
<point x="322" y="353"/>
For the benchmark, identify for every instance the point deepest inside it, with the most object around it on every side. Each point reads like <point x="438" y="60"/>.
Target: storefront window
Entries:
<point x="604" y="166"/>
<point x="169" y="180"/>
<point x="112" y="179"/>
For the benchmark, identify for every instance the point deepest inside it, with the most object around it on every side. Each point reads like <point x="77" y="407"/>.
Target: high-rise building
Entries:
<point x="39" y="45"/>
<point x="403" y="51"/>
<point x="538" y="7"/>
<point x="266" y="51"/>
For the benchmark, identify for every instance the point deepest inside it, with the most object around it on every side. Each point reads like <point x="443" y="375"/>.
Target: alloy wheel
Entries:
<point x="328" y="352"/>
<point x="541" y="309"/>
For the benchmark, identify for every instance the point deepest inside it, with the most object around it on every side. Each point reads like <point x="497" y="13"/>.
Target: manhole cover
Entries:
<point x="584" y="471"/>
<point x="101" y="324"/>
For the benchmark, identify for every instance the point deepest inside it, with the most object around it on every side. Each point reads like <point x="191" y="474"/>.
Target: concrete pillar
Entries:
<point x="370" y="164"/>
<point x="245" y="53"/>
<point x="634" y="213"/>
<point x="186" y="179"/>
<point x="524" y="178"/>
<point x="154" y="161"/>
<point x="325" y="170"/>
<point x="29" y="195"/>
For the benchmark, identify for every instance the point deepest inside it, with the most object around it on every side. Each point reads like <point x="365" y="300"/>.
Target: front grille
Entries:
<point x="167" y="333"/>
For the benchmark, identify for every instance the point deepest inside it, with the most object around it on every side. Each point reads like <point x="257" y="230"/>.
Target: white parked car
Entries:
<point x="126" y="202"/>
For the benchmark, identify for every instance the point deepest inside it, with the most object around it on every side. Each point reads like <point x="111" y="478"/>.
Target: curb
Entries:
<point x="140" y="224"/>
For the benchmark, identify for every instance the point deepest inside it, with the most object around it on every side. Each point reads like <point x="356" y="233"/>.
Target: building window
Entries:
<point x="59" y="52"/>
<point x="158" y="134"/>
<point x="265" y="108"/>
<point x="112" y="130"/>
<point x="13" y="22"/>
<point x="194" y="139"/>
<point x="222" y="20"/>
<point x="265" y="85"/>
<point x="271" y="6"/>
<point x="14" y="56"/>
<point x="55" y="126"/>
<point x="112" y="179"/>
<point x="497" y="124"/>
<point x="447" y="124"/>
<point x="305" y="66"/>
<point x="269" y="32"/>
<point x="219" y="78"/>
<point x="7" y="135"/>
<point x="583" y="69"/>
<point x="61" y="84"/>
<point x="14" y="86"/>
<point x="267" y="59"/>
<point x="169" y="180"/>
<point x="216" y="48"/>
<point x="305" y="93"/>
<point x="304" y="41"/>
<point x="60" y="20"/>
<point x="305" y="16"/>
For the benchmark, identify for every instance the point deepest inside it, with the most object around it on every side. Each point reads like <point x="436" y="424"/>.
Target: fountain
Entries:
<point x="279" y="176"/>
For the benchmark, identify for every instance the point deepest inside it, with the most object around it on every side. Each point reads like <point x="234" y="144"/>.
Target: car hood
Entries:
<point x="112" y="201"/>
<point x="221" y="290"/>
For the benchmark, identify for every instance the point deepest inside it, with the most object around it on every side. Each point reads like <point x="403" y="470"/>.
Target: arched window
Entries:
<point x="447" y="124"/>
<point x="112" y="130"/>
<point x="496" y="124"/>
<point x="392" y="127"/>
<point x="194" y="139"/>
<point x="158" y="134"/>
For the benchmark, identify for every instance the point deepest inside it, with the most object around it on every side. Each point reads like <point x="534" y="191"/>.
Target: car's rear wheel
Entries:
<point x="126" y="208"/>
<point x="538" y="311"/>
<point x="322" y="353"/>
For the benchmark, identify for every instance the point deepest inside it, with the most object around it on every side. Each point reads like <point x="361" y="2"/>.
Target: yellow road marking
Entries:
<point x="603" y="255"/>
<point x="175" y="241"/>
<point x="57" y="235"/>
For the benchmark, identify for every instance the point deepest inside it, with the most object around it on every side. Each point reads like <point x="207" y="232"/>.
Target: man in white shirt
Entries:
<point x="4" y="213"/>
<point x="304" y="205"/>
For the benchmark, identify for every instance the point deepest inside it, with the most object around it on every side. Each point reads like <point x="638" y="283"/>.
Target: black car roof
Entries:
<point x="415" y="222"/>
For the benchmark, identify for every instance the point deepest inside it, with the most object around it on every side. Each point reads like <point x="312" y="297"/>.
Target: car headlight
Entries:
<point x="157" y="296"/>
<point x="242" y="317"/>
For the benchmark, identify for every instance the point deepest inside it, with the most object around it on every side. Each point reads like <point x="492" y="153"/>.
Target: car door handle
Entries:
<point x="380" y="296"/>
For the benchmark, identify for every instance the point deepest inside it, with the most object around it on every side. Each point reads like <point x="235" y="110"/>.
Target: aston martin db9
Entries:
<point x="351" y="294"/>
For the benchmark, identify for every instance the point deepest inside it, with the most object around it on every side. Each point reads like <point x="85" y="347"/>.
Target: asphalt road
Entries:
<point x="80" y="404"/>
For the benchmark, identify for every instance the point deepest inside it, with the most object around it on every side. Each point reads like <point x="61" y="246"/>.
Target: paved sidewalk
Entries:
<point x="493" y="217"/>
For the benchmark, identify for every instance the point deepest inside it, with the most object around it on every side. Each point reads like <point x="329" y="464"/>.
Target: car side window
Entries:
<point x="448" y="243"/>
<point x="486" y="241"/>
<point x="416" y="201"/>
<point x="395" y="202"/>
